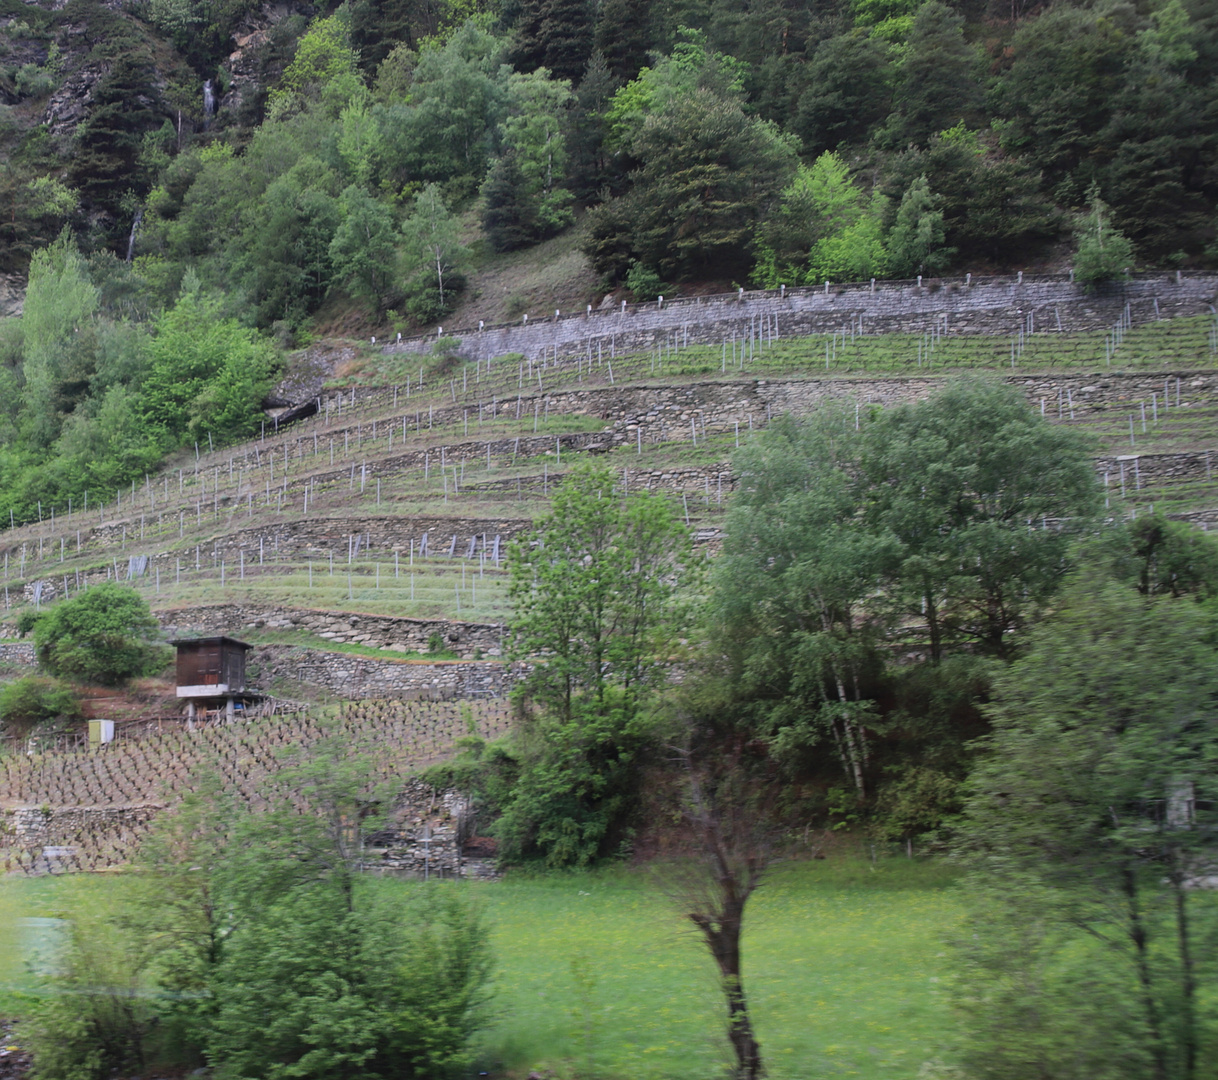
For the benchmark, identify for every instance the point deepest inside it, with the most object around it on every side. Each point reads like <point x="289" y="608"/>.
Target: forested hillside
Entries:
<point x="285" y="151"/>
<point x="186" y="185"/>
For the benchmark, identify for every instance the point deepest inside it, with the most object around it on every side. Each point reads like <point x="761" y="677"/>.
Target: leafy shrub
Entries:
<point x="252" y="938"/>
<point x="423" y="299"/>
<point x="644" y="282"/>
<point x="104" y="635"/>
<point x="33" y="81"/>
<point x="27" y="620"/>
<point x="312" y="989"/>
<point x="96" y="1025"/>
<point x="35" y="698"/>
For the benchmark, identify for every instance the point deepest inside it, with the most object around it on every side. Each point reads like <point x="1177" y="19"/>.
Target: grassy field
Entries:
<point x="598" y="976"/>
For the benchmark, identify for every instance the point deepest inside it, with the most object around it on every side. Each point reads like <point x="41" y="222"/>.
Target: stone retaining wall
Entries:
<point x="994" y="305"/>
<point x="398" y="633"/>
<point x="17" y="652"/>
<point x="423" y="837"/>
<point x="654" y="413"/>
<point x="632" y="415"/>
<point x="355" y="677"/>
<point x="56" y="839"/>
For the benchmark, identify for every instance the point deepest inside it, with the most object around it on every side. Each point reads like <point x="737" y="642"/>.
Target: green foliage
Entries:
<point x="594" y="590"/>
<point x="107" y="166"/>
<point x="27" y="620"/>
<point x="1164" y="558"/>
<point x="991" y="204"/>
<point x="97" y="1022"/>
<point x="103" y="635"/>
<point x="786" y="610"/>
<point x="386" y="990"/>
<point x="456" y="99"/>
<point x="324" y="70"/>
<point x="643" y="282"/>
<point x="555" y="35"/>
<point x="34" y="698"/>
<point x="251" y="938"/>
<point x="914" y="802"/>
<point x="1103" y="252"/>
<point x="34" y="81"/>
<point x="848" y="92"/>
<point x="1095" y="806"/>
<point x="356" y="982"/>
<point x="916" y="243"/>
<point x="709" y="175"/>
<point x="594" y="593"/>
<point x="206" y="373"/>
<point x="625" y="34"/>
<point x="433" y="254"/>
<point x="1084" y="79"/>
<point x="847" y="528"/>
<point x="1060" y="97"/>
<point x="60" y="303"/>
<point x="533" y="137"/>
<point x="363" y="251"/>
<point x="508" y="219"/>
<point x="825" y="229"/>
<point x="957" y="478"/>
<point x="591" y="169"/>
<point x="692" y="65"/>
<point x="937" y="84"/>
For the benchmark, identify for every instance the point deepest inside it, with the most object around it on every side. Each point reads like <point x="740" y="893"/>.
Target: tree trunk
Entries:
<point x="723" y="938"/>
<point x="850" y="737"/>
<point x="935" y="630"/>
<point x="1137" y="934"/>
<point x="1188" y="979"/>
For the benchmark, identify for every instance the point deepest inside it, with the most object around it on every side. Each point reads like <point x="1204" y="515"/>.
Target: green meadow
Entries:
<point x="846" y="966"/>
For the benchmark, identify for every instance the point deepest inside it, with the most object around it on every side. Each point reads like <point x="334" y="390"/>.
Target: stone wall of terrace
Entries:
<point x="993" y="305"/>
<point x="356" y="677"/>
<point x="396" y="633"/>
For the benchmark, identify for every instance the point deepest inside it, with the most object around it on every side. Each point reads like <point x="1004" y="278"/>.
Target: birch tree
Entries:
<point x="433" y="252"/>
<point x="791" y="588"/>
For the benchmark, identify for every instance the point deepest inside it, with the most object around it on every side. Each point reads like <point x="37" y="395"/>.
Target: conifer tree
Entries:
<point x="554" y="34"/>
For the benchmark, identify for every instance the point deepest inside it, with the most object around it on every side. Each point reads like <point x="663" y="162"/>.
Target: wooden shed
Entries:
<point x="211" y="667"/>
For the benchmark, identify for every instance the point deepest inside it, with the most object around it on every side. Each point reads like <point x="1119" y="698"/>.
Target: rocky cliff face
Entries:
<point x="12" y="294"/>
<point x="83" y="82"/>
<point x="258" y="58"/>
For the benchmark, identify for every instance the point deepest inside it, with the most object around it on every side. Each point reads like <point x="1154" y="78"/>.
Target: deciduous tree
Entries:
<point x="433" y="253"/>
<point x="105" y="634"/>
<point x="1103" y="252"/>
<point x="985" y="498"/>
<point x="595" y="589"/>
<point x="1095" y="802"/>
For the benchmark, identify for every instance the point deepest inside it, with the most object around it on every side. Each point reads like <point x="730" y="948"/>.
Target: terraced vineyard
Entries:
<point x="401" y="494"/>
<point x="475" y="453"/>
<point x="110" y="792"/>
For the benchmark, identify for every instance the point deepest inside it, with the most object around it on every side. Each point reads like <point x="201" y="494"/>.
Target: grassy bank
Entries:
<point x="597" y="975"/>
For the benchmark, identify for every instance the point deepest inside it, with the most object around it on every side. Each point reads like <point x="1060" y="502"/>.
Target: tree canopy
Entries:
<point x="105" y="634"/>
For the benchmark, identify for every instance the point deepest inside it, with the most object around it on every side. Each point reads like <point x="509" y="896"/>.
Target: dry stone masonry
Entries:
<point x="992" y="305"/>
<point x="356" y="677"/>
<point x="397" y="633"/>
